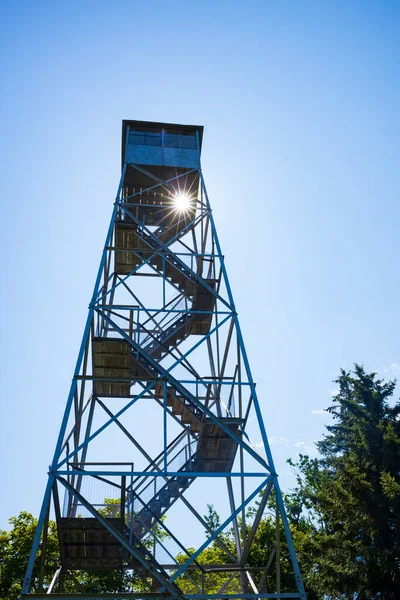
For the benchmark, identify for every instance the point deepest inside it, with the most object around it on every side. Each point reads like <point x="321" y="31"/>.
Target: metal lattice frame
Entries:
<point x="184" y="353"/>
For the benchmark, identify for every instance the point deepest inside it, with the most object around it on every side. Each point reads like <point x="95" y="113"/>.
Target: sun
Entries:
<point x="181" y="201"/>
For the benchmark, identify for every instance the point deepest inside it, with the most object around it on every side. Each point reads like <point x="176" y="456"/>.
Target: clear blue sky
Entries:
<point x="300" y="102"/>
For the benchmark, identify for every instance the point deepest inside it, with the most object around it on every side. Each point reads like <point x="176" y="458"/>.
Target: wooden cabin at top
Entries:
<point x="162" y="162"/>
<point x="165" y="150"/>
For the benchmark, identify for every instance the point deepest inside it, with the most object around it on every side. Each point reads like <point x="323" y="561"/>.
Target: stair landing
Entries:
<point x="86" y="544"/>
<point x="216" y="450"/>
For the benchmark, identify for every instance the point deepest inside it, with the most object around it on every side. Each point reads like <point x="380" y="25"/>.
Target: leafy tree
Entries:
<point x="261" y="550"/>
<point x="15" y="547"/>
<point x="212" y="519"/>
<point x="193" y="582"/>
<point x="351" y="495"/>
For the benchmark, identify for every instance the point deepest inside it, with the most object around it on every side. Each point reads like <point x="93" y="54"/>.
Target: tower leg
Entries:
<point x="43" y="549"/>
<point x="292" y="552"/>
<point x="38" y="534"/>
<point x="54" y="580"/>
<point x="278" y="551"/>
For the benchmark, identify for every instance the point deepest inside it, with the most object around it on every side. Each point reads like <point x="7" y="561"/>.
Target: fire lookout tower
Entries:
<point x="161" y="408"/>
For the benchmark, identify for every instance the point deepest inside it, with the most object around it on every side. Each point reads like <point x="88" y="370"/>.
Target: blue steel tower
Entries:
<point x="162" y="407"/>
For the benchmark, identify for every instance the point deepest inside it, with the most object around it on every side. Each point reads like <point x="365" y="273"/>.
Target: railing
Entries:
<point x="106" y="495"/>
<point x="180" y="455"/>
<point x="177" y="260"/>
<point x="169" y="318"/>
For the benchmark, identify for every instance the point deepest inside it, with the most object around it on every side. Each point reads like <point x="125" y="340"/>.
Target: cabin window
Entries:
<point x="145" y="137"/>
<point x="177" y="138"/>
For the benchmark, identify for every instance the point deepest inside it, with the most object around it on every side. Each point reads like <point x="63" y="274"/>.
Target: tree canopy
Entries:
<point x="350" y="495"/>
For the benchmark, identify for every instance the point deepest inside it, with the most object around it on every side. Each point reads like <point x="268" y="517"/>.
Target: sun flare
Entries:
<point x="182" y="201"/>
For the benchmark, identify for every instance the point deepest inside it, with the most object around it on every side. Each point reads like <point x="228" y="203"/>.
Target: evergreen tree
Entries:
<point x="352" y="493"/>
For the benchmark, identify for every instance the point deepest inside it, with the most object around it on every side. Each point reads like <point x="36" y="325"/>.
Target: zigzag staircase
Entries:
<point x="210" y="447"/>
<point x="202" y="446"/>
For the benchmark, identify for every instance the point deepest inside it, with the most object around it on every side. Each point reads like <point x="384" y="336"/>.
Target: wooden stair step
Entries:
<point x="178" y="408"/>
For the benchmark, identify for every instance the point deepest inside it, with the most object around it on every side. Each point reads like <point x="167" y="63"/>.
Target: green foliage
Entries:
<point x="212" y="519"/>
<point x="111" y="508"/>
<point x="351" y="495"/>
<point x="15" y="546"/>
<point x="193" y="582"/>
